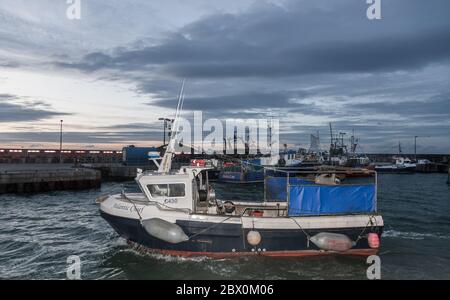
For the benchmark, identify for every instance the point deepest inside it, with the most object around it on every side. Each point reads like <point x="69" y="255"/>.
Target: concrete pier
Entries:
<point x="432" y="168"/>
<point x="41" y="179"/>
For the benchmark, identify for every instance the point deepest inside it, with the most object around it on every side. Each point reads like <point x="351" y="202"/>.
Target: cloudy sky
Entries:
<point x="113" y="73"/>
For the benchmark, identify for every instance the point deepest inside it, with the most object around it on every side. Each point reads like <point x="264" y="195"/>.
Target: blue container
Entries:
<point x="138" y="156"/>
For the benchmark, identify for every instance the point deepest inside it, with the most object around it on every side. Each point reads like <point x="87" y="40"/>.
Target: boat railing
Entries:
<point x="301" y="170"/>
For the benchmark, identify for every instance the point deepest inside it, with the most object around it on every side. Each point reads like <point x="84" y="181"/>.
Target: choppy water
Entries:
<point x="39" y="232"/>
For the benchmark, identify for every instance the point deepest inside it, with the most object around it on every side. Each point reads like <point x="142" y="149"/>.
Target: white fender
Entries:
<point x="332" y="241"/>
<point x="164" y="230"/>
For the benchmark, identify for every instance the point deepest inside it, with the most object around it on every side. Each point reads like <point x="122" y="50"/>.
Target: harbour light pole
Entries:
<point x="60" y="141"/>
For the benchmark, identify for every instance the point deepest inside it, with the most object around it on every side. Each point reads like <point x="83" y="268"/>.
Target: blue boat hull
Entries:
<point x="224" y="240"/>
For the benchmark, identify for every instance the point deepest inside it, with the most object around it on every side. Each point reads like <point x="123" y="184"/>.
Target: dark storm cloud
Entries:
<point x="9" y="64"/>
<point x="299" y="39"/>
<point x="25" y="111"/>
<point x="383" y="54"/>
<point x="256" y="100"/>
<point x="263" y="60"/>
<point x="133" y="126"/>
<point x="7" y="97"/>
<point x="247" y="105"/>
<point x="430" y="108"/>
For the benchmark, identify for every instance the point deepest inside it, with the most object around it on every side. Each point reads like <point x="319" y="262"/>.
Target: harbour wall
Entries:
<point x="44" y="180"/>
<point x="34" y="178"/>
<point x="118" y="172"/>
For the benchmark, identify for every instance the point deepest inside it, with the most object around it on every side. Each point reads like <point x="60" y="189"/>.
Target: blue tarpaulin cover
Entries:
<point x="323" y="200"/>
<point x="276" y="189"/>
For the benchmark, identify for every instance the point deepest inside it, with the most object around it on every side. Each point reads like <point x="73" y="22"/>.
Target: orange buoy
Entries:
<point x="374" y="240"/>
<point x="253" y="237"/>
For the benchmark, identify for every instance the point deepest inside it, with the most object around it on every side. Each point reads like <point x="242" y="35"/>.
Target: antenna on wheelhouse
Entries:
<point x="166" y="162"/>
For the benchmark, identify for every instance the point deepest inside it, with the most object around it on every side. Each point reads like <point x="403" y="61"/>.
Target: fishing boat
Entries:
<point x="246" y="171"/>
<point x="253" y="170"/>
<point x="177" y="213"/>
<point x="400" y="165"/>
<point x="286" y="158"/>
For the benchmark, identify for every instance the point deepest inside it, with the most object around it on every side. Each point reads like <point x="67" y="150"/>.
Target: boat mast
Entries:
<point x="354" y="142"/>
<point x="166" y="162"/>
<point x="269" y="129"/>
<point x="331" y="142"/>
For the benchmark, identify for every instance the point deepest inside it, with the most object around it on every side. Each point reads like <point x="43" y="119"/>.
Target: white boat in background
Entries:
<point x="424" y="162"/>
<point x="287" y="158"/>
<point x="400" y="165"/>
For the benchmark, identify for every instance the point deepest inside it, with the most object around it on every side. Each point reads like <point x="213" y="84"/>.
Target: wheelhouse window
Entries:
<point x="167" y="190"/>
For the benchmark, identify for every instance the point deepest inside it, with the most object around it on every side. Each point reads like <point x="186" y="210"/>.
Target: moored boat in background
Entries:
<point x="401" y="165"/>
<point x="243" y="172"/>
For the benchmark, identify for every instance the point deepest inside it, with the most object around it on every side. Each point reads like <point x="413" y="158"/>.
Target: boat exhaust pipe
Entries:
<point x="164" y="230"/>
